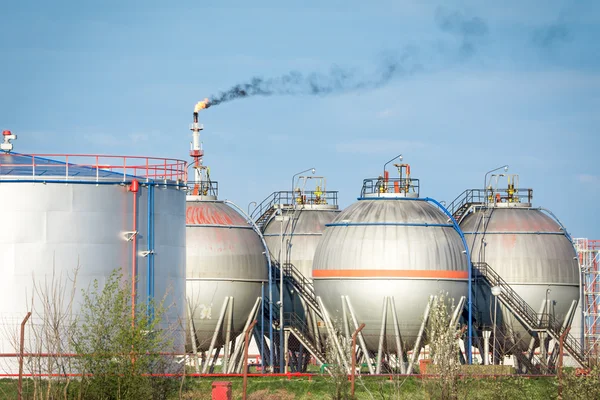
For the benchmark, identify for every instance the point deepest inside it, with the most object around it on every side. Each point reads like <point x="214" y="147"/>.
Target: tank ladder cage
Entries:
<point x="91" y="168"/>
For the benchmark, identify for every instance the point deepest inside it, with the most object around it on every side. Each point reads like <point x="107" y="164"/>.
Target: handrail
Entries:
<point x="547" y="321"/>
<point x="91" y="167"/>
<point x="289" y="198"/>
<point x="469" y="196"/>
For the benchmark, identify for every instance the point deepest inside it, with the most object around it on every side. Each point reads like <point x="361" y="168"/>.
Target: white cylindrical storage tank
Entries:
<point x="390" y="243"/>
<point x="225" y="259"/>
<point x="97" y="214"/>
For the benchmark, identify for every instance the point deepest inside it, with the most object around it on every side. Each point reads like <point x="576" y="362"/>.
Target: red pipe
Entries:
<point x="134" y="187"/>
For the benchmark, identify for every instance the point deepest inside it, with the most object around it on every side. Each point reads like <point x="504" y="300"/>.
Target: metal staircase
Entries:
<point x="526" y="314"/>
<point x="303" y="286"/>
<point x="297" y="327"/>
<point x="265" y="210"/>
<point x="461" y="205"/>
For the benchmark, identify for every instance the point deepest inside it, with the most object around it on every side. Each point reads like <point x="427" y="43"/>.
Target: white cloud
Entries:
<point x="387" y="113"/>
<point x="589" y="179"/>
<point x="376" y="146"/>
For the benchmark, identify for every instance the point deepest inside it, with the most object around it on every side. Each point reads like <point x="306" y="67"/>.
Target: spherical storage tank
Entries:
<point x="530" y="250"/>
<point x="298" y="225"/>
<point x="97" y="214"/>
<point x="225" y="259"/>
<point x="302" y="222"/>
<point x="389" y="243"/>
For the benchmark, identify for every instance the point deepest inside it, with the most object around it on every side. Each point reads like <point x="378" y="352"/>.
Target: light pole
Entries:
<point x="249" y="204"/>
<point x="485" y="178"/>
<point x="282" y="348"/>
<point x="399" y="156"/>
<point x="294" y="177"/>
<point x="496" y="291"/>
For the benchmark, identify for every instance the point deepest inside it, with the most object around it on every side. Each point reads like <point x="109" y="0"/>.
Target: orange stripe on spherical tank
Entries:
<point x="395" y="273"/>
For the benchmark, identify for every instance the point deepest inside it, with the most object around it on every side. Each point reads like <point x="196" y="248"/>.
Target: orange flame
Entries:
<point x="201" y="105"/>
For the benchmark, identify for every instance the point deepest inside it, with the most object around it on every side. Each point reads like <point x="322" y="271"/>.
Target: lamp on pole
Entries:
<point x="399" y="156"/>
<point x="282" y="349"/>
<point x="496" y="291"/>
<point x="294" y="177"/>
<point x="249" y="204"/>
<point x="486" y="175"/>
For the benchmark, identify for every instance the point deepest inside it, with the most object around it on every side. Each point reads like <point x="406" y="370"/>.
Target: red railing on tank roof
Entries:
<point x="96" y="166"/>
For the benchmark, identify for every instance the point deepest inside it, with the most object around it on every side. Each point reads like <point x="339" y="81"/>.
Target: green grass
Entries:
<point x="367" y="387"/>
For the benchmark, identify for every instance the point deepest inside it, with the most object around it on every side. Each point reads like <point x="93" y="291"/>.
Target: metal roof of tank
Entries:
<point x="23" y="166"/>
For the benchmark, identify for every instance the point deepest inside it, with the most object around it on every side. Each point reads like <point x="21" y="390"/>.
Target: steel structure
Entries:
<point x="589" y="262"/>
<point x="390" y="248"/>
<point x="227" y="267"/>
<point x="96" y="214"/>
<point x="292" y="223"/>
<point x="527" y="253"/>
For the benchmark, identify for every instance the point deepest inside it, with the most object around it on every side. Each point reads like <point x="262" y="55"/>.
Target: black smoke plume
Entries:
<point x="550" y="35"/>
<point x="339" y="79"/>
<point x="468" y="30"/>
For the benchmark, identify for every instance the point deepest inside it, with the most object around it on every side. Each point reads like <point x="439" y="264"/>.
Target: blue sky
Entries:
<point x="484" y="85"/>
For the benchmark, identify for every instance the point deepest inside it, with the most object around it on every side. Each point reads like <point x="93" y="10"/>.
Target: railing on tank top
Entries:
<point x="290" y="199"/>
<point x="546" y="321"/>
<point x="90" y="167"/>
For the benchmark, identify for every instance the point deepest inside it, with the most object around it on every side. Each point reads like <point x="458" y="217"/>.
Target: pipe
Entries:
<point x="353" y="371"/>
<point x="417" y="347"/>
<point x="486" y="347"/>
<point x="150" y="260"/>
<point x="193" y="336"/>
<point x="470" y="289"/>
<point x="345" y="319"/>
<point x="216" y="333"/>
<point x="236" y="351"/>
<point x="361" y="339"/>
<point x="226" y="349"/>
<point x="399" y="348"/>
<point x="134" y="187"/>
<point x="332" y="333"/>
<point x="21" y="351"/>
<point x="270" y="267"/>
<point x="381" y="336"/>
<point x="245" y="372"/>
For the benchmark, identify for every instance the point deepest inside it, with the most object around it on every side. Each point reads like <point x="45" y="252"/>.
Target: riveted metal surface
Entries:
<point x="398" y="247"/>
<point x="303" y="228"/>
<point x="225" y="257"/>
<point x="49" y="230"/>
<point x="529" y="250"/>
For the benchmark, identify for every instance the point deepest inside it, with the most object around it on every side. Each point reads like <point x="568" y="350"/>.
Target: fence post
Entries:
<point x="21" y="350"/>
<point x="560" y="360"/>
<point x="246" y="340"/>
<point x="353" y="371"/>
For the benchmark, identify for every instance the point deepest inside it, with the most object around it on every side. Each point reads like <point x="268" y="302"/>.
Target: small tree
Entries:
<point x="119" y="349"/>
<point x="443" y="345"/>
